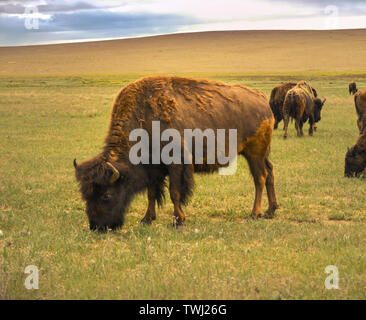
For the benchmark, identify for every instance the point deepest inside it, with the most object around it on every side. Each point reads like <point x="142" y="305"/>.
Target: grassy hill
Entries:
<point x="214" y="52"/>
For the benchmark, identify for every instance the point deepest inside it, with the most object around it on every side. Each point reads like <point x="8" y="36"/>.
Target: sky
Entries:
<point x="31" y="22"/>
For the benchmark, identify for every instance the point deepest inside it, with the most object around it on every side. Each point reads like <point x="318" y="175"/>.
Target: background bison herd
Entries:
<point x="299" y="101"/>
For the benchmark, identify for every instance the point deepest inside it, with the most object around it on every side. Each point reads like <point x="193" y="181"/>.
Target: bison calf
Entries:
<point x="109" y="181"/>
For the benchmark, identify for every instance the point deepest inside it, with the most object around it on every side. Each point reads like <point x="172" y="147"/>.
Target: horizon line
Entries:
<point x="80" y="41"/>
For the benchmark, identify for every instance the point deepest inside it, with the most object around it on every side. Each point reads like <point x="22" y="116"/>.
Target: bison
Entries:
<point x="277" y="98"/>
<point x="301" y="104"/>
<point x="360" y="104"/>
<point x="109" y="181"/>
<point x="355" y="162"/>
<point x="352" y="87"/>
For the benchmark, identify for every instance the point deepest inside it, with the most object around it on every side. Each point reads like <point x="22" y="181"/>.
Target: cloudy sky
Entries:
<point x="54" y="21"/>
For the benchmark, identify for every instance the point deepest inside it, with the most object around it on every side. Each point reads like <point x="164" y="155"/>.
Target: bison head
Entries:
<point x="318" y="105"/>
<point x="352" y="88"/>
<point x="105" y="188"/>
<point x="355" y="162"/>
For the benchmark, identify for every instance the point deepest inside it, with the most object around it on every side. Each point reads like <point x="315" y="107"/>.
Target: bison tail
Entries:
<point x="187" y="184"/>
<point x="289" y="106"/>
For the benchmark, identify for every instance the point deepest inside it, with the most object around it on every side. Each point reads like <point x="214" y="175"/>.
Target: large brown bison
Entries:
<point x="355" y="162"/>
<point x="301" y="104"/>
<point x="352" y="87"/>
<point x="360" y="103"/>
<point x="109" y="181"/>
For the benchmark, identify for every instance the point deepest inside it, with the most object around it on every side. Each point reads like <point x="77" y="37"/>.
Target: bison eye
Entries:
<point x="106" y="197"/>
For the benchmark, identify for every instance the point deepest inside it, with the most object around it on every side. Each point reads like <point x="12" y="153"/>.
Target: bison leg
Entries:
<point x="150" y="213"/>
<point x="311" y="128"/>
<point x="155" y="193"/>
<point x="259" y="173"/>
<point x="301" y="124"/>
<point x="298" y="126"/>
<point x="176" y="189"/>
<point x="278" y="119"/>
<point x="285" y="125"/>
<point x="271" y="193"/>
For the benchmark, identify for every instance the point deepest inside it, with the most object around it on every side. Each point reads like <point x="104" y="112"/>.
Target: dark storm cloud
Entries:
<point x="89" y="24"/>
<point x="104" y="20"/>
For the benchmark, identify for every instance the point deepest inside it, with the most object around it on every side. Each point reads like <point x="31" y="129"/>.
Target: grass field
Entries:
<point x="47" y="121"/>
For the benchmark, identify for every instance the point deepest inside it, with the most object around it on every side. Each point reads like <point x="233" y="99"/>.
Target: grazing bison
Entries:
<point x="355" y="162"/>
<point x="360" y="103"/>
<point x="109" y="181"/>
<point x="301" y="104"/>
<point x="277" y="98"/>
<point x="352" y="87"/>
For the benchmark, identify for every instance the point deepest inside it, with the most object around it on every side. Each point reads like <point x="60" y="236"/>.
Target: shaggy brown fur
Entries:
<point x="352" y="87"/>
<point x="360" y="104"/>
<point x="355" y="162"/>
<point x="277" y="98"/>
<point x="178" y="103"/>
<point x="301" y="105"/>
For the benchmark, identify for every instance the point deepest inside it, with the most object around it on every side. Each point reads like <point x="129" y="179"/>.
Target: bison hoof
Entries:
<point x="177" y="223"/>
<point x="146" y="221"/>
<point x="256" y="216"/>
<point x="269" y="214"/>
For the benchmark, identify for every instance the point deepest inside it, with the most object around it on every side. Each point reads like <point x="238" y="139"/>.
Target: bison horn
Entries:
<point x="115" y="175"/>
<point x="75" y="164"/>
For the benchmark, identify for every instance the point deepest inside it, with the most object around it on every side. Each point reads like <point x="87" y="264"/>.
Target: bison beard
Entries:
<point x="108" y="182"/>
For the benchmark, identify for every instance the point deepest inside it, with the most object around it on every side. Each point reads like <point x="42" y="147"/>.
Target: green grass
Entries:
<point x="221" y="254"/>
